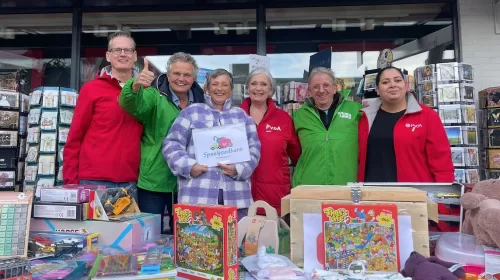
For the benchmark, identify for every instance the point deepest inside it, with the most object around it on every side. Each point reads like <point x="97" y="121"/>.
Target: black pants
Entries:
<point x="155" y="202"/>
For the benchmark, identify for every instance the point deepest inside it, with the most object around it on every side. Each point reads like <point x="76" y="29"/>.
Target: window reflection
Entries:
<point x="217" y="39"/>
<point x="40" y="46"/>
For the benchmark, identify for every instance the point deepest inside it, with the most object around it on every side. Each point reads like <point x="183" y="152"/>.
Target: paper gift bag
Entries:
<point x="255" y="231"/>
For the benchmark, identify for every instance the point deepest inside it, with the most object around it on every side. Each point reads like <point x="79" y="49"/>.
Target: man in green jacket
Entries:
<point x="327" y="126"/>
<point x="156" y="103"/>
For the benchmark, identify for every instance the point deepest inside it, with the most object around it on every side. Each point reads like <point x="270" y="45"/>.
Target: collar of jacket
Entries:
<point x="413" y="106"/>
<point x="163" y="86"/>
<point x="106" y="73"/>
<point x="227" y="104"/>
<point x="372" y="110"/>
<point x="245" y="105"/>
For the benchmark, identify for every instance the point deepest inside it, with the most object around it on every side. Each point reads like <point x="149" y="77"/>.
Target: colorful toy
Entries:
<point x="205" y="241"/>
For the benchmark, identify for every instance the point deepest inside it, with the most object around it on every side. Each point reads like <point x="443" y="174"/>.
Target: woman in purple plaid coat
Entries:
<point x="225" y="184"/>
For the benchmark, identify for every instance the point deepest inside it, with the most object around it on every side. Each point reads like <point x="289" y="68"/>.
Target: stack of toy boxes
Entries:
<point x="14" y="87"/>
<point x="49" y="120"/>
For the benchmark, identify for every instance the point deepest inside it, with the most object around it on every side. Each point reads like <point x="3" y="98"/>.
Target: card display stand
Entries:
<point x="49" y="120"/>
<point x="489" y="132"/>
<point x="14" y="86"/>
<point x="448" y="88"/>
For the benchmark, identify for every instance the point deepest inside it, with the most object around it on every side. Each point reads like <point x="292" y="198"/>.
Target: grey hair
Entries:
<point x="120" y="34"/>
<point x="266" y="72"/>
<point x="219" y="72"/>
<point x="322" y="70"/>
<point x="183" y="57"/>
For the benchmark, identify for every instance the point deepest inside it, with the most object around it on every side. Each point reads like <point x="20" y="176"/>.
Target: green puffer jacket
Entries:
<point x="153" y="108"/>
<point x="329" y="157"/>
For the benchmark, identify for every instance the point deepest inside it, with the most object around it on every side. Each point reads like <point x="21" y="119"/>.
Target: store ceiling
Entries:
<point x="364" y="17"/>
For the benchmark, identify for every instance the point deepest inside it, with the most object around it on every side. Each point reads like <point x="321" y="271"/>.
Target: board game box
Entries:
<point x="15" y="212"/>
<point x="205" y="238"/>
<point x="361" y="232"/>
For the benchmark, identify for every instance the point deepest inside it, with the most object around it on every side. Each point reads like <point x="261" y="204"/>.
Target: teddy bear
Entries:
<point x="419" y="267"/>
<point x="482" y="216"/>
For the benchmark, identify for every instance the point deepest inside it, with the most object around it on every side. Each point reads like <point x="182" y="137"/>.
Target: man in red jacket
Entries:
<point x="103" y="145"/>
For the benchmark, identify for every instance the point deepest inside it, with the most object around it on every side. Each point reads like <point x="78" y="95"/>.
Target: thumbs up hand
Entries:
<point x="144" y="79"/>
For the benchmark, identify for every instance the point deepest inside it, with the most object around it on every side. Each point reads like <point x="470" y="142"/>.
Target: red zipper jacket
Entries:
<point x="103" y="141"/>
<point x="422" y="149"/>
<point x="271" y="179"/>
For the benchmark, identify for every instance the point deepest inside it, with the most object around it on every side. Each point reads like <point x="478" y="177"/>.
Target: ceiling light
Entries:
<point x="444" y="22"/>
<point x="400" y="23"/>
<point x="149" y="29"/>
<point x="302" y="26"/>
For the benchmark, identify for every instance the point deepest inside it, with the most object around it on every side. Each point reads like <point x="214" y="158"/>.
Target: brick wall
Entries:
<point x="480" y="44"/>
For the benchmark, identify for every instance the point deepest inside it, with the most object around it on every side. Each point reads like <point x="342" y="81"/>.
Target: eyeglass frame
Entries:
<point x="118" y="51"/>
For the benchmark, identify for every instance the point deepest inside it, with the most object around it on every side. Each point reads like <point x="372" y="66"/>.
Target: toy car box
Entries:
<point x="205" y="238"/>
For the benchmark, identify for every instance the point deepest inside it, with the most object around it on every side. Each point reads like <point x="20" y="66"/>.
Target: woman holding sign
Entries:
<point x="213" y="149"/>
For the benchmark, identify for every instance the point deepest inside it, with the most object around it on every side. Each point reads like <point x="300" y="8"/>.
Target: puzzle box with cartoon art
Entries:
<point x="205" y="238"/>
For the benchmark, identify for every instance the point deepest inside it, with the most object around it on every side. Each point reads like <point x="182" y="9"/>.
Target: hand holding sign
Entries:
<point x="197" y="169"/>
<point x="144" y="79"/>
<point x="228" y="169"/>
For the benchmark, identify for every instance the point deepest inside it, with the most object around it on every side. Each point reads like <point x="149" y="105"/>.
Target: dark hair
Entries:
<point x="120" y="34"/>
<point x="379" y="74"/>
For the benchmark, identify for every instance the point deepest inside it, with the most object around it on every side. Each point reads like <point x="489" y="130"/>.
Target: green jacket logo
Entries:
<point x="344" y="115"/>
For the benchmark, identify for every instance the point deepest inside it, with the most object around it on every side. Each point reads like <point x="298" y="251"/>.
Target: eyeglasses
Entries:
<point x="317" y="87"/>
<point x="117" y="51"/>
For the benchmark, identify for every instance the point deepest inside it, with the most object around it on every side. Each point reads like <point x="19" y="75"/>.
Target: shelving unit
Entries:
<point x="489" y="131"/>
<point x="448" y="88"/>
<point x="14" y="87"/>
<point x="49" y="120"/>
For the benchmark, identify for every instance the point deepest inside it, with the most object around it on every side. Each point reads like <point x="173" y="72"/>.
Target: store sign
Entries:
<point x="321" y="59"/>
<point x="226" y="144"/>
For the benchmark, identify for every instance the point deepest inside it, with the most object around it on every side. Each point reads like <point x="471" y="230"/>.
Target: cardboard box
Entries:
<point x="308" y="199"/>
<point x="131" y="231"/>
<point x="78" y="195"/>
<point x="57" y="210"/>
<point x="205" y="238"/>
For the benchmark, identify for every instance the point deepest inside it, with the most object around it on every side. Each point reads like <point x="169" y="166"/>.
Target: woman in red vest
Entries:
<point x="401" y="140"/>
<point x="271" y="178"/>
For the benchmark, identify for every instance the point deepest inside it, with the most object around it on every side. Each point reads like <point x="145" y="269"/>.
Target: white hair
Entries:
<point x="322" y="70"/>
<point x="266" y="72"/>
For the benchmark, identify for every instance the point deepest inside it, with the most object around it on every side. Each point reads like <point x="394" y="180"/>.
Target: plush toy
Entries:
<point x="419" y="267"/>
<point x="482" y="216"/>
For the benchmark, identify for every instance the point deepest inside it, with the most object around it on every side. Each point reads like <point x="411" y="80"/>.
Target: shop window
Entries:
<point x="40" y="46"/>
<point x="5" y="4"/>
<point x="356" y="35"/>
<point x="217" y="39"/>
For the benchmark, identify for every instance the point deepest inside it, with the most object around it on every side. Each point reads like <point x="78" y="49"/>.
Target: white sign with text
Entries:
<point x="226" y="144"/>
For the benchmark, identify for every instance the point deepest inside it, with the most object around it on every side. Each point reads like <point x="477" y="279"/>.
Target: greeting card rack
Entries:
<point x="49" y="119"/>
<point x="489" y="103"/>
<point x="448" y="89"/>
<point x="14" y="87"/>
